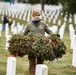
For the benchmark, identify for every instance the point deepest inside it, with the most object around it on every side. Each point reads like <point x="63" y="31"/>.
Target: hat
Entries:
<point x="35" y="12"/>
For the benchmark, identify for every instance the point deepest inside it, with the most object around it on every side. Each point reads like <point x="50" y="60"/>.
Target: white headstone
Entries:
<point x="12" y="15"/>
<point x="54" y="21"/>
<point x="74" y="53"/>
<point x="16" y="15"/>
<point x="6" y="30"/>
<point x="70" y="19"/>
<point x="19" y="28"/>
<point x="74" y="18"/>
<point x="49" y="19"/>
<point x="7" y="39"/>
<point x="2" y="18"/>
<point x="12" y="26"/>
<point x="61" y="31"/>
<point x="3" y="12"/>
<point x="11" y="66"/>
<point x="9" y="14"/>
<point x="15" y="30"/>
<point x="61" y="14"/>
<point x="45" y="18"/>
<point x="72" y="33"/>
<point x="41" y="69"/>
<point x="20" y="16"/>
<point x="24" y="17"/>
<point x="6" y="12"/>
<point x="40" y="16"/>
<point x="59" y="22"/>
<point x="53" y="28"/>
<point x="28" y="17"/>
<point x="65" y="19"/>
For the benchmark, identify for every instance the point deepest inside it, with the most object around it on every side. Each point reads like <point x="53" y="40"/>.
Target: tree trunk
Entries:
<point x="42" y="4"/>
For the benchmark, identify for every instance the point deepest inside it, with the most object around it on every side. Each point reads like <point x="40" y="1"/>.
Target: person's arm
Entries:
<point x="26" y="30"/>
<point x="47" y="30"/>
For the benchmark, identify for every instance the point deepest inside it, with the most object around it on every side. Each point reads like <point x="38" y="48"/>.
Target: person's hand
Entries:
<point x="58" y="35"/>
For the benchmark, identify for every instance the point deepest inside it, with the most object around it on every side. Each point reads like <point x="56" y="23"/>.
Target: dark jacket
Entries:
<point x="5" y="20"/>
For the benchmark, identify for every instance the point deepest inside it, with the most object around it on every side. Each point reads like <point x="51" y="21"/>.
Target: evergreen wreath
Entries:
<point x="37" y="45"/>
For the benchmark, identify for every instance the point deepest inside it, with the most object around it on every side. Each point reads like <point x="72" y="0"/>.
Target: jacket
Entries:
<point x="41" y="29"/>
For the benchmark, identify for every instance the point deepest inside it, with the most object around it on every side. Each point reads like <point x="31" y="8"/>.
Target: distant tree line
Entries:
<point x="39" y="1"/>
<point x="69" y="6"/>
<point x="53" y="2"/>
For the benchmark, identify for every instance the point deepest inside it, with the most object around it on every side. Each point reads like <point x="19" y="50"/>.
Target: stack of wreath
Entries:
<point x="48" y="48"/>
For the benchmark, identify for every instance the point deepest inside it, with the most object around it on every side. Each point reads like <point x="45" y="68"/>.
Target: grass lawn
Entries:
<point x="60" y="67"/>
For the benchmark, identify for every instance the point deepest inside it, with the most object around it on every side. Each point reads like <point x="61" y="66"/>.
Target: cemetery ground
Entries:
<point x="60" y="67"/>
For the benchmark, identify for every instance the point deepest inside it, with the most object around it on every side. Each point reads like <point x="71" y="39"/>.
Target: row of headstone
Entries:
<point x="19" y="11"/>
<point x="51" y="15"/>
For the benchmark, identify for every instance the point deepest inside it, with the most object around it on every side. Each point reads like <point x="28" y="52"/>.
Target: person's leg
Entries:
<point x="3" y="27"/>
<point x="32" y="65"/>
<point x="40" y="61"/>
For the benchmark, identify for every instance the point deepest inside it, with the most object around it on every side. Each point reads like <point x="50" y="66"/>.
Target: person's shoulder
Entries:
<point x="29" y="23"/>
<point x="43" y="22"/>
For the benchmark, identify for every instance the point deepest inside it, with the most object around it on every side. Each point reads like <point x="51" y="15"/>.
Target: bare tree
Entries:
<point x="42" y="4"/>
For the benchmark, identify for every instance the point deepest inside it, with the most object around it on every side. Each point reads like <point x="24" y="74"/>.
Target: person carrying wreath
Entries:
<point x="36" y="26"/>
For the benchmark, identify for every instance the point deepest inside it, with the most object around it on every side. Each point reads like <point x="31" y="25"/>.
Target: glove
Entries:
<point x="58" y="35"/>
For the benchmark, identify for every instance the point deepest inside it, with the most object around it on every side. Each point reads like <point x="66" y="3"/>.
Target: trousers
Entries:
<point x="32" y="64"/>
